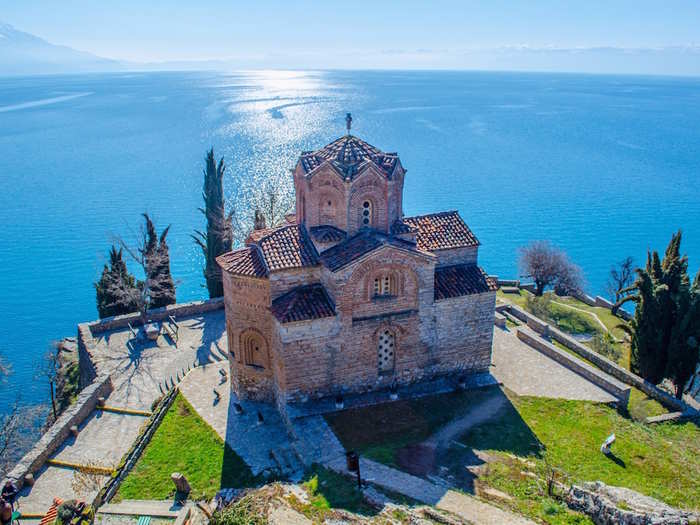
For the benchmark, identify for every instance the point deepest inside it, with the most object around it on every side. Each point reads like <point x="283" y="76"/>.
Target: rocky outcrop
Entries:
<point x="608" y="505"/>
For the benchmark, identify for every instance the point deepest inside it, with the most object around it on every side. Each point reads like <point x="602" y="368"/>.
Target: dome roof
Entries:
<point x="349" y="155"/>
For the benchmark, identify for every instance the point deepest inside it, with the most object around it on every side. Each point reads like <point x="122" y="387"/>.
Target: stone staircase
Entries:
<point x="186" y="363"/>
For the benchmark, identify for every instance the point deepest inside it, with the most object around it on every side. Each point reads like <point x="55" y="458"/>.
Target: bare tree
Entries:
<point x="5" y="368"/>
<point x="16" y="425"/>
<point x="47" y="368"/>
<point x="620" y="279"/>
<point x="89" y="479"/>
<point x="549" y="266"/>
<point x="265" y="199"/>
<point x="152" y="255"/>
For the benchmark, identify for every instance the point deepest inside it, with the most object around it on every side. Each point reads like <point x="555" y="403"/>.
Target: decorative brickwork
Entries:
<point x="351" y="297"/>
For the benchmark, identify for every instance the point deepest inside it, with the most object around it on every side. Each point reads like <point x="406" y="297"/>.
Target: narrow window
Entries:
<point x="254" y="350"/>
<point x="366" y="213"/>
<point x="385" y="351"/>
<point x="377" y="286"/>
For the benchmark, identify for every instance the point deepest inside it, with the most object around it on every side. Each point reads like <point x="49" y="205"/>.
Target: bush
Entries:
<point x="604" y="344"/>
<point x="246" y="511"/>
<point x="539" y="306"/>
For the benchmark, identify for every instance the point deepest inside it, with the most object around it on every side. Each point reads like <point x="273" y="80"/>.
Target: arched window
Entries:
<point x="254" y="349"/>
<point x="385" y="284"/>
<point x="366" y="214"/>
<point x="385" y="350"/>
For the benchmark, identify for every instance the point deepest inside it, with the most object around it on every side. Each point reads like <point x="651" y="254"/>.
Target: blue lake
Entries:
<point x="602" y="166"/>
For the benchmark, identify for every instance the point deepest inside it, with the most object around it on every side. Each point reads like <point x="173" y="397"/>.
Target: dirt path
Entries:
<point x="592" y="314"/>
<point x="420" y="459"/>
<point x="476" y="415"/>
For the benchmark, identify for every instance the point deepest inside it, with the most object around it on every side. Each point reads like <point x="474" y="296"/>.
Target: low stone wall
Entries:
<point x="157" y="314"/>
<point x="603" y="363"/>
<point x="595" y="376"/>
<point x="87" y="331"/>
<point x="60" y="430"/>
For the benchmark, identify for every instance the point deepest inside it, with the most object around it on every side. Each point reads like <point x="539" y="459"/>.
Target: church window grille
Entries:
<point x="386" y="347"/>
<point x="366" y="213"/>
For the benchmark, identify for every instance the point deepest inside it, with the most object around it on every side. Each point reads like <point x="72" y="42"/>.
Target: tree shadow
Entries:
<point x="505" y="431"/>
<point x="212" y="328"/>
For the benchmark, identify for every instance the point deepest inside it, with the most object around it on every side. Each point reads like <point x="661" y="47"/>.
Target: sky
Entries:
<point x="663" y="34"/>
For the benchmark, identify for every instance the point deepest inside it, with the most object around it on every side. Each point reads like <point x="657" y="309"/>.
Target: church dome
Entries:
<point x="350" y="155"/>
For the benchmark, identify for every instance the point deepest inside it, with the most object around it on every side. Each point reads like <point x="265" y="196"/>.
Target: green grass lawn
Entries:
<point x="185" y="443"/>
<point x="576" y="322"/>
<point x="329" y="490"/>
<point x="641" y="406"/>
<point x="379" y="432"/>
<point x="662" y="461"/>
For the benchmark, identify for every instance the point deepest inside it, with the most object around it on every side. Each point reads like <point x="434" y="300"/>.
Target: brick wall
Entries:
<point x="247" y="303"/>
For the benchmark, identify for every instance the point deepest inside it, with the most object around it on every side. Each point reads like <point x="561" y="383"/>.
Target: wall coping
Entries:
<point x="157" y="314"/>
<point x="598" y="377"/>
<point x="606" y="365"/>
<point x="57" y="433"/>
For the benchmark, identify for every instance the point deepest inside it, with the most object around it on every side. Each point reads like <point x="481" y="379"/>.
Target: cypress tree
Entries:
<point x="116" y="290"/>
<point x="665" y="329"/>
<point x="218" y="237"/>
<point x="161" y="287"/>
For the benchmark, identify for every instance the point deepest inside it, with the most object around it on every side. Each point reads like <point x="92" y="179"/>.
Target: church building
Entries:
<point x="349" y="296"/>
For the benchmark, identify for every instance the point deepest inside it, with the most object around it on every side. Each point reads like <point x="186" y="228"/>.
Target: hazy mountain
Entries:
<point x="25" y="54"/>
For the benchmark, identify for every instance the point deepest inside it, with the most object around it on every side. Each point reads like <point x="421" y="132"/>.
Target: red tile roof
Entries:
<point x="462" y="279"/>
<point x="440" y="231"/>
<point x="246" y="261"/>
<point x="303" y="303"/>
<point x="288" y="247"/>
<point x="359" y="244"/>
<point x="327" y="233"/>
<point x="349" y="155"/>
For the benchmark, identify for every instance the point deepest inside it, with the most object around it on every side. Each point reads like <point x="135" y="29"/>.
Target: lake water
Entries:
<point x="602" y="166"/>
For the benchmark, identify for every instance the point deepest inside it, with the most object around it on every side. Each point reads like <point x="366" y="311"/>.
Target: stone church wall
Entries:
<point x="246" y="303"/>
<point x="467" y="255"/>
<point x="465" y="332"/>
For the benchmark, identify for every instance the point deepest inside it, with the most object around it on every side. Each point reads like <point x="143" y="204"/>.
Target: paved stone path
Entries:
<point x="392" y="479"/>
<point x="478" y="512"/>
<point x="140" y="507"/>
<point x="528" y="372"/>
<point x="458" y="427"/>
<point x="138" y="371"/>
<point x="250" y="439"/>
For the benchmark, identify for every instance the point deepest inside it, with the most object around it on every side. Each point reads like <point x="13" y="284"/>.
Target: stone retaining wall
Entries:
<point x="157" y="314"/>
<point x="87" y="331"/>
<point x="607" y="366"/>
<point x="595" y="376"/>
<point x="60" y="430"/>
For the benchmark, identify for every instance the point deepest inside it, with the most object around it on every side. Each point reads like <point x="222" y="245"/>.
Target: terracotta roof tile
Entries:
<point x="440" y="231"/>
<point x="303" y="303"/>
<point x="288" y="247"/>
<point x="245" y="261"/>
<point x="327" y="233"/>
<point x="349" y="155"/>
<point x="462" y="279"/>
<point x="359" y="244"/>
